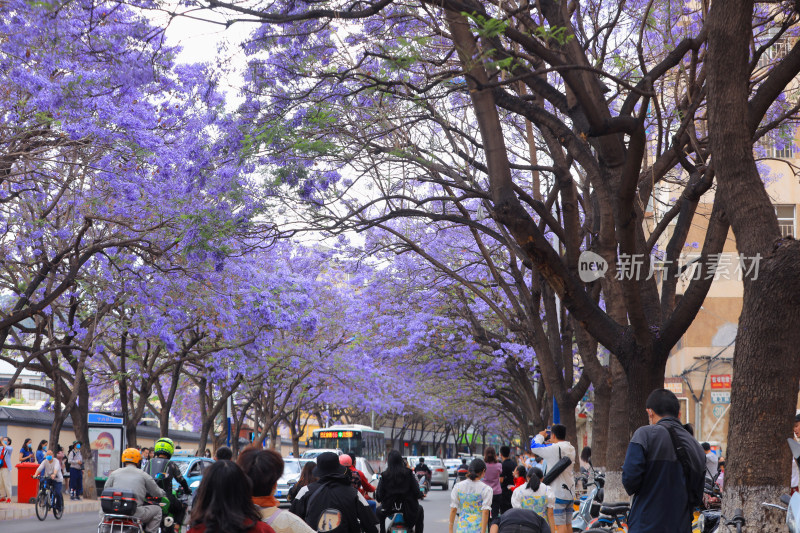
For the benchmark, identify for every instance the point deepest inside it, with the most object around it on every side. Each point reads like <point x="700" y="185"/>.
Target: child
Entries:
<point x="536" y="496"/>
<point x="519" y="476"/>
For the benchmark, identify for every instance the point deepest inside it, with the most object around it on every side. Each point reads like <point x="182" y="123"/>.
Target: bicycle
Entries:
<point x="46" y="499"/>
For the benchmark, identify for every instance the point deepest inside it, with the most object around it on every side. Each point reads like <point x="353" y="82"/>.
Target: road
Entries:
<point x="437" y="511"/>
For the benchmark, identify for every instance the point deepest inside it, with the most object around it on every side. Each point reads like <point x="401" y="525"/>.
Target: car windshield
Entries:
<point x="184" y="466"/>
<point x="291" y="467"/>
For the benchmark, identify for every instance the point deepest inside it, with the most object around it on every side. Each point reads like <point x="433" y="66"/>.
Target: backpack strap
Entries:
<point x="273" y="516"/>
<point x="683" y="459"/>
<point x="680" y="451"/>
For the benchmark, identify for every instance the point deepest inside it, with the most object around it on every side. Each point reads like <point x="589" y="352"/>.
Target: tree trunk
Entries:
<point x="644" y="374"/>
<point x="80" y="423"/>
<point x="766" y="368"/>
<point x="618" y="435"/>
<point x="600" y="423"/>
<point x="55" y="429"/>
<point x="122" y="383"/>
<point x="274" y="437"/>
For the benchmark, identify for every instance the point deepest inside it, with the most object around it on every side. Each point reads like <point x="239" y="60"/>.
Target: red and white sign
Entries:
<point x="720" y="381"/>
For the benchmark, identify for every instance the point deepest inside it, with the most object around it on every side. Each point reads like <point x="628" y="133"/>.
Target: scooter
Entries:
<point x="706" y="520"/>
<point x="792" y="502"/>
<point x="424" y="483"/>
<point x="169" y="523"/>
<point x="397" y="523"/>
<point x="118" y="508"/>
<point x="589" y="505"/>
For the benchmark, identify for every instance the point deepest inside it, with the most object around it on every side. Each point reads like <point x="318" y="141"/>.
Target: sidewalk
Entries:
<point x="15" y="511"/>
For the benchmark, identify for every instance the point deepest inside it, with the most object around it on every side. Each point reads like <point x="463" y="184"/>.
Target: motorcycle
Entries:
<point x="424" y="482"/>
<point x="589" y="505"/>
<point x="170" y="523"/>
<point x="118" y="506"/>
<point x="706" y="520"/>
<point x="397" y="522"/>
<point x="461" y="474"/>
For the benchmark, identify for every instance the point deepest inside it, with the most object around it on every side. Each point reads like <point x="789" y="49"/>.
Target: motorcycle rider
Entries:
<point x="164" y="471"/>
<point x="130" y="477"/>
<point x="398" y="488"/>
<point x="462" y="471"/>
<point x="422" y="467"/>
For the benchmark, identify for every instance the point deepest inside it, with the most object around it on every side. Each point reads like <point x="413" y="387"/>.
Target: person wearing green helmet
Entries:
<point x="165" y="471"/>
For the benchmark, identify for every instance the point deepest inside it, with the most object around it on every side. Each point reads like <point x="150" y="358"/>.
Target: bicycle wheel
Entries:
<point x="57" y="512"/>
<point x="42" y="506"/>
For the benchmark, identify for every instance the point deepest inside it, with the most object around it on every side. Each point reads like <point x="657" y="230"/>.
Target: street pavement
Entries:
<point x="437" y="511"/>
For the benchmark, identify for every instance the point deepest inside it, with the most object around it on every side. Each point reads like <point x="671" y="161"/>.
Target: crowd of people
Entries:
<point x="665" y="471"/>
<point x="64" y="469"/>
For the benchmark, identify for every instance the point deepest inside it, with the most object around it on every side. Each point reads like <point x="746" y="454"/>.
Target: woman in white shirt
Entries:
<point x="471" y="500"/>
<point x="536" y="496"/>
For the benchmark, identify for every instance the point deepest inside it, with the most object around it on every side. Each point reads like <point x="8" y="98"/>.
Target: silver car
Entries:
<point x="452" y="465"/>
<point x="439" y="475"/>
<point x="291" y="473"/>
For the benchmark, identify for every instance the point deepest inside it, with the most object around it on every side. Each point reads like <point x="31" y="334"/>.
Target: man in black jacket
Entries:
<point x="653" y="472"/>
<point x="507" y="483"/>
<point x="331" y="504"/>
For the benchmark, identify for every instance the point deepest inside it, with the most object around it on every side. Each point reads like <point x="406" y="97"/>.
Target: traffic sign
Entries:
<point x="720" y="397"/>
<point x="719" y="410"/>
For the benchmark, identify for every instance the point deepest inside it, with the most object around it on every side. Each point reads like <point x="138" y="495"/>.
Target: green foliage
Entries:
<point x="557" y="34"/>
<point x="487" y="27"/>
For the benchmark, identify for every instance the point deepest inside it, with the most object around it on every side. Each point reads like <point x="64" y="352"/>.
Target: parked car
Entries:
<point x="192" y="468"/>
<point x="291" y="473"/>
<point x="438" y="470"/>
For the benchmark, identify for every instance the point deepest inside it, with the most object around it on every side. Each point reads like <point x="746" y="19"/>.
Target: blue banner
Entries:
<point x="100" y="418"/>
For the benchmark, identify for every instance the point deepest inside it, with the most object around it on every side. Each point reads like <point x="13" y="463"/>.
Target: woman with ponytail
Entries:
<point x="471" y="500"/>
<point x="536" y="496"/>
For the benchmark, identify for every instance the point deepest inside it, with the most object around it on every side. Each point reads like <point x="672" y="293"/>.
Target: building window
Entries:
<point x="777" y="51"/>
<point x="773" y="152"/>
<point x="786" y="220"/>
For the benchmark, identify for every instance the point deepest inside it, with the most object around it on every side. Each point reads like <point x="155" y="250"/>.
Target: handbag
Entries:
<point x="557" y="469"/>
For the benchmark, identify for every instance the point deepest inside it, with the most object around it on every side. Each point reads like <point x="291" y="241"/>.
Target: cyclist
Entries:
<point x="129" y="477"/>
<point x="164" y="471"/>
<point x="50" y="469"/>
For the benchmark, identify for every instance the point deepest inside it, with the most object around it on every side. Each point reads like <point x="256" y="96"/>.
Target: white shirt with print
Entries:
<point x="538" y="500"/>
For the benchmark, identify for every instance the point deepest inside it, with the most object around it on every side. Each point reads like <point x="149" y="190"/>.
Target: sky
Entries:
<point x="203" y="41"/>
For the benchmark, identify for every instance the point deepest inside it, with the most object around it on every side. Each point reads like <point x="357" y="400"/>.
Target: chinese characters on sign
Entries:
<point x="720" y="397"/>
<point x="721" y="381"/>
<point x="675" y="386"/>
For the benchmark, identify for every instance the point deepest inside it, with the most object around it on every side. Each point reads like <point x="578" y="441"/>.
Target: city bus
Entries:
<point x="361" y="440"/>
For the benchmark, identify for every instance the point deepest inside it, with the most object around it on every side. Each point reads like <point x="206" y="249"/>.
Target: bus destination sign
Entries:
<point x="335" y="434"/>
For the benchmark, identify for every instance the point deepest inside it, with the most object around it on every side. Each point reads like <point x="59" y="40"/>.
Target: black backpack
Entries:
<point x="695" y="480"/>
<point x="355" y="479"/>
